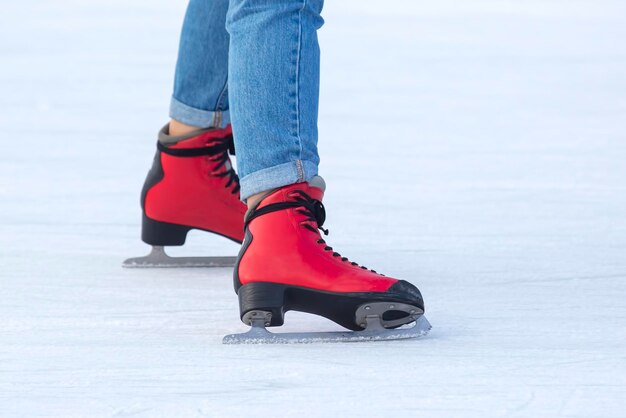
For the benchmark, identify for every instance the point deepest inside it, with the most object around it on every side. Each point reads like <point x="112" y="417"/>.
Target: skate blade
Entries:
<point x="258" y="334"/>
<point x="158" y="258"/>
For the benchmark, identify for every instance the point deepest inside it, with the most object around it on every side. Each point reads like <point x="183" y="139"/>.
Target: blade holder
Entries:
<point x="257" y="318"/>
<point x="370" y="315"/>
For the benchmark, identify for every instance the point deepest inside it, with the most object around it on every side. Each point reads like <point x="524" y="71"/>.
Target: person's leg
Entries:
<point x="284" y="263"/>
<point x="274" y="88"/>
<point x="200" y="98"/>
<point x="192" y="184"/>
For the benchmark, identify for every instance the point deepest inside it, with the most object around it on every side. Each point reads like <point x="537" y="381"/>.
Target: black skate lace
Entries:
<point x="222" y="158"/>
<point x="218" y="152"/>
<point x="314" y="211"/>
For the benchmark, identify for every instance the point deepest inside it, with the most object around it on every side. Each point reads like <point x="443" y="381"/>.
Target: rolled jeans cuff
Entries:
<point x="280" y="175"/>
<point x="198" y="117"/>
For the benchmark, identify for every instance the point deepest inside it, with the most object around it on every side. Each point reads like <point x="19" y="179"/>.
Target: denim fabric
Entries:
<point x="200" y="85"/>
<point x="273" y="82"/>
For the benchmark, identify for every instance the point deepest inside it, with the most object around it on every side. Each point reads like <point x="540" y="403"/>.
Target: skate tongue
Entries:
<point x="314" y="188"/>
<point x="317" y="187"/>
<point x="318" y="182"/>
<point x="197" y="139"/>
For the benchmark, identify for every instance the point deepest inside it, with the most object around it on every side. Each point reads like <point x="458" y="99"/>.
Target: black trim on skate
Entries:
<point x="338" y="307"/>
<point x="162" y="233"/>
<point x="247" y="240"/>
<point x="165" y="234"/>
<point x="405" y="288"/>
<point x="198" y="152"/>
<point x="154" y="176"/>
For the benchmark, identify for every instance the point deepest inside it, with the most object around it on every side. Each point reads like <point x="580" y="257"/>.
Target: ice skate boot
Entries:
<point x="284" y="264"/>
<point x="191" y="185"/>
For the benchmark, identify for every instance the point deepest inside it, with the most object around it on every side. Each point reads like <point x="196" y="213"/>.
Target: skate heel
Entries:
<point x="162" y="233"/>
<point x="258" y="299"/>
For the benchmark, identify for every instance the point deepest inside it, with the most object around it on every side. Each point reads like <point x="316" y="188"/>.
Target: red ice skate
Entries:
<point x="285" y="264"/>
<point x="192" y="185"/>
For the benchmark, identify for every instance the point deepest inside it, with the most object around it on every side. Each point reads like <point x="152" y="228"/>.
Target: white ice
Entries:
<point x="476" y="148"/>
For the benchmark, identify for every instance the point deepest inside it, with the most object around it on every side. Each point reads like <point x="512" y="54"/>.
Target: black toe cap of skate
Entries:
<point x="408" y="291"/>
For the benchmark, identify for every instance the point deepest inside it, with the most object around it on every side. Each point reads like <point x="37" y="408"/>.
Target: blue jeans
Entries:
<point x="255" y="64"/>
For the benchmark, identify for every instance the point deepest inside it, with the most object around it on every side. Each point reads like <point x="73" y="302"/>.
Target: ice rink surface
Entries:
<point x="475" y="148"/>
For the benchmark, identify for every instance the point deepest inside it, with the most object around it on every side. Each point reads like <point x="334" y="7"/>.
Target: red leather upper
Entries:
<point x="283" y="251"/>
<point x="191" y="194"/>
